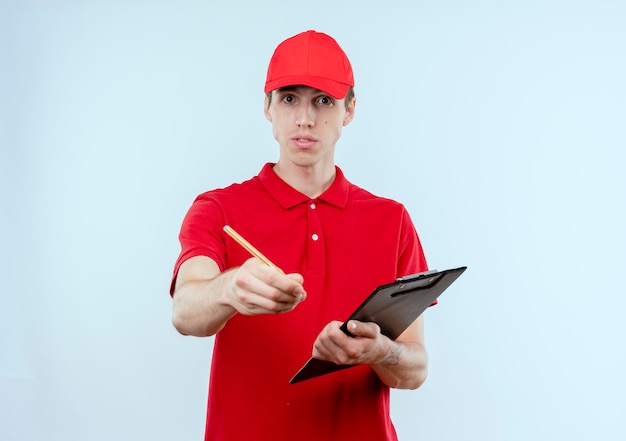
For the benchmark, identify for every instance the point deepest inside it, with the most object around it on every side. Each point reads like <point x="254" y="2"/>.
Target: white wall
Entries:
<point x="500" y="124"/>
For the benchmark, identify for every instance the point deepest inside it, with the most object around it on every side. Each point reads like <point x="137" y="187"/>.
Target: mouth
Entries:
<point x="304" y="138"/>
<point x="303" y="141"/>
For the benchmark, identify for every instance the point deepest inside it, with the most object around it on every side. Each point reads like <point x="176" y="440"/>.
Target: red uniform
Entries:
<point x="344" y="243"/>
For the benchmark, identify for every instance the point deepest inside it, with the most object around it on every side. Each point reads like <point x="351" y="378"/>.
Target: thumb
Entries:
<point x="363" y="329"/>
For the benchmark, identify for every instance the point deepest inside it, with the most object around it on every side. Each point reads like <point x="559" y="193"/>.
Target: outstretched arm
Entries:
<point x="204" y="298"/>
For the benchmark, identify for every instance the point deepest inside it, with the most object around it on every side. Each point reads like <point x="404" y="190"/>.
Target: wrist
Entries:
<point x="393" y="354"/>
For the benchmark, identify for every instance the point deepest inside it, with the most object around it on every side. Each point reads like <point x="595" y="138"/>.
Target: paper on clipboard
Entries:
<point x="393" y="307"/>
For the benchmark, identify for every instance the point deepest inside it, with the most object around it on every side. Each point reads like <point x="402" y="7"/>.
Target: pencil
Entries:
<point x="244" y="243"/>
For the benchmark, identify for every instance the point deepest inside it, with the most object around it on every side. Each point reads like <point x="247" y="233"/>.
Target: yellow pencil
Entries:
<point x="244" y="243"/>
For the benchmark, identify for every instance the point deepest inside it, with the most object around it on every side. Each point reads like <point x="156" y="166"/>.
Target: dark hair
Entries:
<point x="346" y="100"/>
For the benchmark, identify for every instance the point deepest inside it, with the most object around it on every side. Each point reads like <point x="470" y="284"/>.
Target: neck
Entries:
<point x="311" y="181"/>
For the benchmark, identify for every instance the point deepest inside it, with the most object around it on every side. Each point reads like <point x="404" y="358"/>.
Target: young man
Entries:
<point x="335" y="241"/>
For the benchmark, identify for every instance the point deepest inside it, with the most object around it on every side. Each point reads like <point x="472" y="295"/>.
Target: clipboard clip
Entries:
<point x="403" y="278"/>
<point x="425" y="282"/>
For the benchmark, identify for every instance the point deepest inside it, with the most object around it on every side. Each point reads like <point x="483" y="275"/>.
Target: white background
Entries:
<point x="499" y="124"/>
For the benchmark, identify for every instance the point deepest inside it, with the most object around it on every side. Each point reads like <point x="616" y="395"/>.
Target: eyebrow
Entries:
<point x="293" y="87"/>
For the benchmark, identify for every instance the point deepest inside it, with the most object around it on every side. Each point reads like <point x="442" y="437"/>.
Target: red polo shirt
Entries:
<point x="345" y="243"/>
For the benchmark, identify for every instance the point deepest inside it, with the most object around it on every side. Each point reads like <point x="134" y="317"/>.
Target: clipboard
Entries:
<point x="393" y="307"/>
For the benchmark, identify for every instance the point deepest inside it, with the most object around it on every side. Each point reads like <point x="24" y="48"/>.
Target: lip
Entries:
<point x="303" y="141"/>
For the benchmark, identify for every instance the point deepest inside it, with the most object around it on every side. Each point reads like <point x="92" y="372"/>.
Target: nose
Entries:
<point x="305" y="117"/>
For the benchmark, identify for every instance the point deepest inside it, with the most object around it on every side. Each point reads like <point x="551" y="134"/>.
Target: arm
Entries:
<point x="401" y="364"/>
<point x="204" y="298"/>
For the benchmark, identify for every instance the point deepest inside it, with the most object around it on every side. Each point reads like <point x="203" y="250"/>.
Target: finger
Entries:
<point x="255" y="296"/>
<point x="265" y="300"/>
<point x="257" y="304"/>
<point x="278" y="292"/>
<point x="257" y="277"/>
<point x="296" y="277"/>
<point x="326" y="349"/>
<point x="290" y="284"/>
<point x="330" y="344"/>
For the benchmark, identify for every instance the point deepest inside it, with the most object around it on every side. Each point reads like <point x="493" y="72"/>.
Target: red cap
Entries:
<point x="310" y="59"/>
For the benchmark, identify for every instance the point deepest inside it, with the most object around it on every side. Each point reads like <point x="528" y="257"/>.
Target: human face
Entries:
<point x="307" y="123"/>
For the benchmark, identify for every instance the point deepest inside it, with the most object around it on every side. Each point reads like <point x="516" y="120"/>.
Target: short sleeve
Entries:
<point x="411" y="257"/>
<point x="201" y="234"/>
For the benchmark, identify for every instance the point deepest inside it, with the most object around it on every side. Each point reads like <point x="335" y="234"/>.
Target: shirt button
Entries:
<point x="312" y="205"/>
<point x="315" y="237"/>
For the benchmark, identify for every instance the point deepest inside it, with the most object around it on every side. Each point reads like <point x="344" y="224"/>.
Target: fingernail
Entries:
<point x="301" y="293"/>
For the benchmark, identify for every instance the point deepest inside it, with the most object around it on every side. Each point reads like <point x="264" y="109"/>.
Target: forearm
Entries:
<point x="205" y="298"/>
<point x="405" y="365"/>
<point x="401" y="364"/>
<point x="198" y="308"/>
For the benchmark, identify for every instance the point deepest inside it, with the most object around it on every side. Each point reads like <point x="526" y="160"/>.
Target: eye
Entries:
<point x="288" y="99"/>
<point x="325" y="100"/>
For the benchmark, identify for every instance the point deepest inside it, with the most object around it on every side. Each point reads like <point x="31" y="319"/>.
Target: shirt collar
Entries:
<point x="288" y="197"/>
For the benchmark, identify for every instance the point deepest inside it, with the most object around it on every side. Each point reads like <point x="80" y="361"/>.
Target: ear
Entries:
<point x="349" y="112"/>
<point x="266" y="109"/>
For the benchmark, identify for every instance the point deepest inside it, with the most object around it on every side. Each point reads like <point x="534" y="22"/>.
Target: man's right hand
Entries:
<point x="205" y="299"/>
<point x="254" y="288"/>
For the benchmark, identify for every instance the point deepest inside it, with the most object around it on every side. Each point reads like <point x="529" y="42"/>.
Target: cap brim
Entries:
<point x="333" y="88"/>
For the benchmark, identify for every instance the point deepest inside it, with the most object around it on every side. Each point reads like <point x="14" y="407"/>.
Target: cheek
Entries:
<point x="275" y="131"/>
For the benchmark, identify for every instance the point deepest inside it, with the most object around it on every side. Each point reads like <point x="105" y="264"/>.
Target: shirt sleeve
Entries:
<point x="411" y="259"/>
<point x="201" y="234"/>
